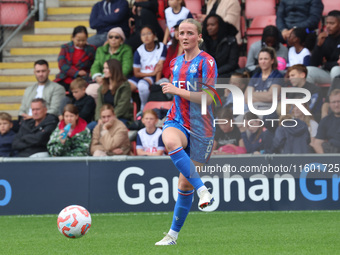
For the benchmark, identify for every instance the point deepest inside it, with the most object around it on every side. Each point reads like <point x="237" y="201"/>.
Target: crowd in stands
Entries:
<point x="104" y="80"/>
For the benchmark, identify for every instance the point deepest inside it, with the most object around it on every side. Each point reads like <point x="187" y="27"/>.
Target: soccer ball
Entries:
<point x="74" y="221"/>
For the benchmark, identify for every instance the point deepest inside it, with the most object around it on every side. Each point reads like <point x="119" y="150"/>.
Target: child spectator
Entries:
<point x="241" y="81"/>
<point x="175" y="12"/>
<point x="75" y="58"/>
<point x="147" y="63"/>
<point x="254" y="135"/>
<point x="174" y="50"/>
<point x="302" y="43"/>
<point x="149" y="139"/>
<point x="308" y="119"/>
<point x="110" y="136"/>
<point x="291" y="138"/>
<point x="6" y="135"/>
<point x="297" y="76"/>
<point x="78" y="138"/>
<point x="115" y="91"/>
<point x="228" y="138"/>
<point x="85" y="103"/>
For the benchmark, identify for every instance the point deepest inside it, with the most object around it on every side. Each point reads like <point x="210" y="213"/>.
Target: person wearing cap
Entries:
<point x="108" y="14"/>
<point x="114" y="49"/>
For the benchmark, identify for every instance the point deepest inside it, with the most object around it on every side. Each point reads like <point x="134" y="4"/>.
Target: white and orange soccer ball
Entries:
<point x="74" y="221"/>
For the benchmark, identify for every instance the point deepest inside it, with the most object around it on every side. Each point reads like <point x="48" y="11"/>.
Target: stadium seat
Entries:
<point x="255" y="8"/>
<point x="195" y="6"/>
<point x="251" y="40"/>
<point x="13" y="13"/>
<point x="330" y="5"/>
<point x="157" y="105"/>
<point x="242" y="61"/>
<point x="162" y="5"/>
<point x="259" y="23"/>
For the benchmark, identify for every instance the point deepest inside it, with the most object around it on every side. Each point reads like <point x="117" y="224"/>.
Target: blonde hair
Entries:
<point x="78" y="83"/>
<point x="198" y="26"/>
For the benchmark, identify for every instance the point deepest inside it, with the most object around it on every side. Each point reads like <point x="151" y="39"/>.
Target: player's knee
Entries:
<point x="171" y="144"/>
<point x="184" y="185"/>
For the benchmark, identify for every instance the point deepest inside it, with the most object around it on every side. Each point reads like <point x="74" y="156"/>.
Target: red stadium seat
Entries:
<point x="13" y="13"/>
<point x="252" y="39"/>
<point x="330" y="5"/>
<point x="259" y="23"/>
<point x="161" y="7"/>
<point x="157" y="105"/>
<point x="255" y="8"/>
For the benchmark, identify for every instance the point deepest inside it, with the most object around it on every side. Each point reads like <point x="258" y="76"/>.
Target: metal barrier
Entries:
<point x="13" y="16"/>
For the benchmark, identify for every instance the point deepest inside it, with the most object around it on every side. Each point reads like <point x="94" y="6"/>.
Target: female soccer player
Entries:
<point x="185" y="126"/>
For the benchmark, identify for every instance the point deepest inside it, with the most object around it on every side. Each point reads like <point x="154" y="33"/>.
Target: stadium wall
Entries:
<point x="144" y="184"/>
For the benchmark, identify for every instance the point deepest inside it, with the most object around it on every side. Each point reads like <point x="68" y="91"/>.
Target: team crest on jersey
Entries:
<point x="193" y="69"/>
<point x="211" y="62"/>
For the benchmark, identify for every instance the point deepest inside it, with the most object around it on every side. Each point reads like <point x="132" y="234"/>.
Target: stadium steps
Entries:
<point x="16" y="70"/>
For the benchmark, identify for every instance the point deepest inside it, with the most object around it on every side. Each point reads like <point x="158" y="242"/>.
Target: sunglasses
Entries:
<point x="114" y="36"/>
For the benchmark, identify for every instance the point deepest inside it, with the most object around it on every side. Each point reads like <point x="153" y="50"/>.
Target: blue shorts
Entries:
<point x="199" y="148"/>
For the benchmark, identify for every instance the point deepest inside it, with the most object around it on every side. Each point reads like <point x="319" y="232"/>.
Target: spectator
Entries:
<point x="263" y="82"/>
<point x="255" y="137"/>
<point x="51" y="92"/>
<point x="335" y="85"/>
<point x="228" y="138"/>
<point x="147" y="63"/>
<point x="115" y="91"/>
<point x="228" y="10"/>
<point x="108" y="14"/>
<point x="327" y="139"/>
<point x="241" y="81"/>
<point x="270" y="38"/>
<point x="174" y="13"/>
<point x="34" y="133"/>
<point x="85" y="103"/>
<point x="115" y="49"/>
<point x="144" y="14"/>
<point x="297" y="76"/>
<point x="302" y="43"/>
<point x="311" y="123"/>
<point x="220" y="43"/>
<point x="78" y="138"/>
<point x="149" y="139"/>
<point x="304" y="14"/>
<point x="327" y="48"/>
<point x="174" y="50"/>
<point x="75" y="58"/>
<point x="6" y="135"/>
<point x="110" y="136"/>
<point x="291" y="138"/>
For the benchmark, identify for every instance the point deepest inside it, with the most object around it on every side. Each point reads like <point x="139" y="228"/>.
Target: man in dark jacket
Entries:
<point x="328" y="48"/>
<point x="302" y="13"/>
<point x="106" y="15"/>
<point x="34" y="133"/>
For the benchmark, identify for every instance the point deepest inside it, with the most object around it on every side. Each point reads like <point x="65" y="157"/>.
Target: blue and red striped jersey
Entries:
<point x="192" y="76"/>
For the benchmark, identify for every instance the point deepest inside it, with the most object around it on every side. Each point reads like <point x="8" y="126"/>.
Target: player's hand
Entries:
<point x="168" y="87"/>
<point x="321" y="38"/>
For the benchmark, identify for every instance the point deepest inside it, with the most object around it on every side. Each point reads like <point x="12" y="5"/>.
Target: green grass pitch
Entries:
<point x="293" y="232"/>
